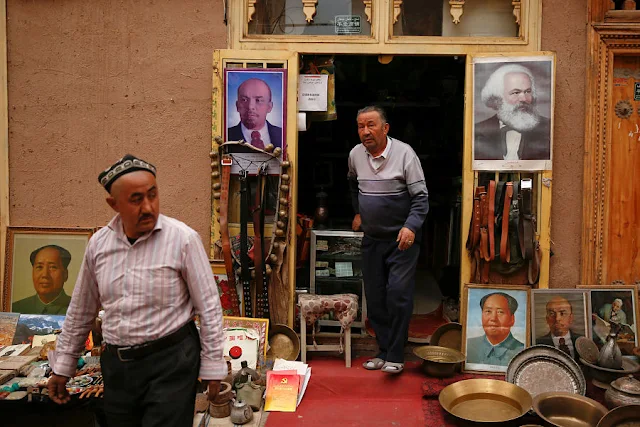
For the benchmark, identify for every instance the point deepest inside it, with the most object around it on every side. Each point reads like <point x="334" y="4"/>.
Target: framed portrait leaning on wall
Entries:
<point x="495" y="323"/>
<point x="614" y="304"/>
<point x="559" y="317"/>
<point x="41" y="268"/>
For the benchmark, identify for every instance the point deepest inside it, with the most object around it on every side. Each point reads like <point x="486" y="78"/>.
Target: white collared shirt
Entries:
<point x="264" y="134"/>
<point x="567" y="341"/>
<point x="512" y="138"/>
<point x="377" y="161"/>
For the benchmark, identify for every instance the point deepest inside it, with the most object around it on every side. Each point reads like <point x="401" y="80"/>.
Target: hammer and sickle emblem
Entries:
<point x="283" y="381"/>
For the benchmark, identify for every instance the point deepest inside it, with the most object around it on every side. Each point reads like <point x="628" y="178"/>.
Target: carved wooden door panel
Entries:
<point x="622" y="241"/>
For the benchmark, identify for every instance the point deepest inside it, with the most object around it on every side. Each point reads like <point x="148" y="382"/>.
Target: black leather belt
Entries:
<point x="140" y="351"/>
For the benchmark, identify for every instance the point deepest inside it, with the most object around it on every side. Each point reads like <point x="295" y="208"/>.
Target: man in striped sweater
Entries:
<point x="390" y="199"/>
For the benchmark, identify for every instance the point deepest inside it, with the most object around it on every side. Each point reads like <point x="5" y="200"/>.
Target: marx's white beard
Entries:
<point x="521" y="117"/>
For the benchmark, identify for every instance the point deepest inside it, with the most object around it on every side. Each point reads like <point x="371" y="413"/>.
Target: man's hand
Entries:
<point x="357" y="222"/>
<point x="214" y="389"/>
<point x="405" y="238"/>
<point x="57" y="386"/>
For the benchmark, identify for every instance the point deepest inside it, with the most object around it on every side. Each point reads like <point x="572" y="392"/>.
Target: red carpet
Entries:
<point x="355" y="397"/>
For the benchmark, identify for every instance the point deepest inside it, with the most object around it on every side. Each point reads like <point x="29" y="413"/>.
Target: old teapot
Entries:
<point x="610" y="355"/>
<point x="623" y="391"/>
<point x="241" y="412"/>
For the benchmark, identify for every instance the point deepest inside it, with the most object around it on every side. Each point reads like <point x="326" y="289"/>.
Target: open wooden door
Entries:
<point x="282" y="68"/>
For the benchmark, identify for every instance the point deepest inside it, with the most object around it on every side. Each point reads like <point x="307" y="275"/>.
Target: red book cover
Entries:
<point x="282" y="391"/>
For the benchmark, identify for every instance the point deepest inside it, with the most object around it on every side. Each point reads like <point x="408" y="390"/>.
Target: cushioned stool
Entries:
<point x="344" y="308"/>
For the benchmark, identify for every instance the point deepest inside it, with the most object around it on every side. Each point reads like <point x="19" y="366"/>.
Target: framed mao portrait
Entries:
<point x="41" y="268"/>
<point x="495" y="321"/>
<point x="559" y="317"/>
<point x="255" y="106"/>
<point x="512" y="108"/>
<point x="617" y="305"/>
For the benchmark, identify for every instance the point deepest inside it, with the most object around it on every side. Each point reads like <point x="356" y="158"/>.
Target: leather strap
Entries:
<point x="505" y="254"/>
<point x="533" y="272"/>
<point x="525" y="225"/>
<point x="226" y="162"/>
<point x="262" y="305"/>
<point x="491" y="219"/>
<point x="245" y="275"/>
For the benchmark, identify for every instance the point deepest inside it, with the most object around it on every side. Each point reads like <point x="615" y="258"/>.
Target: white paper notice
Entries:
<point x="302" y="122"/>
<point x="312" y="92"/>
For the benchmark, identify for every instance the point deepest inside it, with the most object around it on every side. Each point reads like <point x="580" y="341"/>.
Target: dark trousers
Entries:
<point x="158" y="390"/>
<point x="389" y="282"/>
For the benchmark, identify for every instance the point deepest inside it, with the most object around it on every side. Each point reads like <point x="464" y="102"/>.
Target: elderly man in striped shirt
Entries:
<point x="151" y="276"/>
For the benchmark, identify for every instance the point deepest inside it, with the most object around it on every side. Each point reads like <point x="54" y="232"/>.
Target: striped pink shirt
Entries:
<point x="147" y="291"/>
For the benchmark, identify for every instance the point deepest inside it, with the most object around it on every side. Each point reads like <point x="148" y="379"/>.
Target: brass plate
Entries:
<point x="543" y="368"/>
<point x="485" y="400"/>
<point x="587" y="349"/>
<point x="622" y="416"/>
<point x="568" y="409"/>
<point x="448" y="335"/>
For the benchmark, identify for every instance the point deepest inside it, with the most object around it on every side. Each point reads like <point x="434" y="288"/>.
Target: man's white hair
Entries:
<point x="493" y="90"/>
<point x="618" y="300"/>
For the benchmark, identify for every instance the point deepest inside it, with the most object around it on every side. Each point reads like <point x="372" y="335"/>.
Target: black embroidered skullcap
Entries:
<point x="123" y="166"/>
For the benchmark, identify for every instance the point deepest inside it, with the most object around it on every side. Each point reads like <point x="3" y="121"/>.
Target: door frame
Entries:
<point x="605" y="42"/>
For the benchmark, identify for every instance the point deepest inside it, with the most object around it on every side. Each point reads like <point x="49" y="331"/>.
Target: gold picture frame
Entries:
<point x="259" y="325"/>
<point x="18" y="290"/>
<point x="497" y="357"/>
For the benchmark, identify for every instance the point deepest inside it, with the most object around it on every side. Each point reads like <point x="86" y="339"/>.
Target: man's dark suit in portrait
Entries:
<point x="253" y="104"/>
<point x="517" y="131"/>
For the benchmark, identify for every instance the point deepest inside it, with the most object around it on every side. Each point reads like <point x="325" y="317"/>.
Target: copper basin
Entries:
<point x="622" y="416"/>
<point x="485" y="400"/>
<point x="568" y="410"/>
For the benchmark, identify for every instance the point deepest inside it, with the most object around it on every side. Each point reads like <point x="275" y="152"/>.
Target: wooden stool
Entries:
<point x="345" y="309"/>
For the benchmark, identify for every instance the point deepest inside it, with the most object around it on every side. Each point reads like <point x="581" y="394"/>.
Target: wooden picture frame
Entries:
<point x="559" y="311"/>
<point x="528" y="111"/>
<point x="601" y="302"/>
<point x="261" y="326"/>
<point x="22" y="290"/>
<point x="474" y="334"/>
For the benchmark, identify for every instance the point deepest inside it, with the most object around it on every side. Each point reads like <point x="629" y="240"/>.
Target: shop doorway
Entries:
<point x="424" y="100"/>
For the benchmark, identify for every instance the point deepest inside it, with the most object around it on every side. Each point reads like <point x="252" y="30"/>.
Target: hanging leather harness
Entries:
<point x="503" y="226"/>
<point x="262" y="285"/>
<point x="245" y="274"/>
<point x="226" y="163"/>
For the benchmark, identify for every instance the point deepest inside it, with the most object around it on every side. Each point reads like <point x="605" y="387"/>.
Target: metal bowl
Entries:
<point x="622" y="416"/>
<point x="602" y="377"/>
<point x="568" y="410"/>
<point x="439" y="361"/>
<point x="448" y="335"/>
<point x="485" y="401"/>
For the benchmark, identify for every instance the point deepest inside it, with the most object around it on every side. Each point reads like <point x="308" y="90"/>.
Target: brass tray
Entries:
<point x="448" y="335"/>
<point x="542" y="368"/>
<point x="622" y="416"/>
<point x="485" y="401"/>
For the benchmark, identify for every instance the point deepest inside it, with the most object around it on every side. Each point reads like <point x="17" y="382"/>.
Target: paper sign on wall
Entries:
<point x="312" y="90"/>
